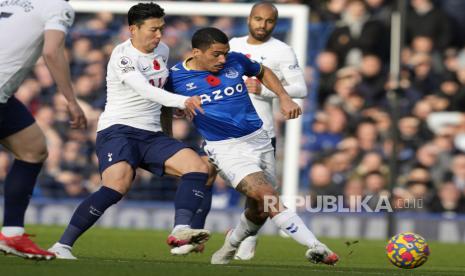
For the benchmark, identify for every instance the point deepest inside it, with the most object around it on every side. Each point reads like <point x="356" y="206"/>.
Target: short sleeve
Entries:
<point x="123" y="65"/>
<point x="251" y="67"/>
<point x="58" y="16"/>
<point x="288" y="63"/>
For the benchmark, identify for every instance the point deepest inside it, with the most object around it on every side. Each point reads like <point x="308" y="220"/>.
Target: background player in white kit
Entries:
<point x="129" y="133"/>
<point x="29" y="29"/>
<point x="260" y="46"/>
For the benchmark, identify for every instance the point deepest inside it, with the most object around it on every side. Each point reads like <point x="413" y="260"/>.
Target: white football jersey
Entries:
<point x="22" y="26"/>
<point x="124" y="104"/>
<point x="281" y="59"/>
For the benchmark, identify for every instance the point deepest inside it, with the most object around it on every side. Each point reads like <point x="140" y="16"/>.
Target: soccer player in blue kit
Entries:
<point x="235" y="141"/>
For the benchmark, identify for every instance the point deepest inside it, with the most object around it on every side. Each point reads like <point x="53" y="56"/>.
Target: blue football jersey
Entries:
<point x="229" y="112"/>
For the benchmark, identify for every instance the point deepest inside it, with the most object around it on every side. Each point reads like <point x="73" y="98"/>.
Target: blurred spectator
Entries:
<point x="327" y="65"/>
<point x="449" y="200"/>
<point x="356" y="34"/>
<point x="425" y="20"/>
<point x="373" y="80"/>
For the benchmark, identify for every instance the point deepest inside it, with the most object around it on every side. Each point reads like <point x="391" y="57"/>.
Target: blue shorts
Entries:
<point x="14" y="117"/>
<point x="140" y="148"/>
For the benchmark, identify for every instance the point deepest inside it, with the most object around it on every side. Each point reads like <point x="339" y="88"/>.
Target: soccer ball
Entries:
<point x="407" y="250"/>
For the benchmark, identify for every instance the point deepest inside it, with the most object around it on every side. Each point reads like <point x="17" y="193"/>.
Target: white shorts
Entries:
<point x="238" y="157"/>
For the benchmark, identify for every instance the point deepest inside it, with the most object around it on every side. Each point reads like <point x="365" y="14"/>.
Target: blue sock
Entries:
<point x="189" y="197"/>
<point x="198" y="221"/>
<point x="88" y="212"/>
<point x="19" y="184"/>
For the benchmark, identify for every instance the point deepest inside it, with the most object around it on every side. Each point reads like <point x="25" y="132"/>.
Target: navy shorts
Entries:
<point x="140" y="148"/>
<point x="14" y="117"/>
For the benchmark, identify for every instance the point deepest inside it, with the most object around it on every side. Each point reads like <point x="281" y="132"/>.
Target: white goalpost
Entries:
<point x="299" y="15"/>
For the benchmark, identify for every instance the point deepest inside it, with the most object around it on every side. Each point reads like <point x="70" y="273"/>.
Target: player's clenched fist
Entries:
<point x="192" y="104"/>
<point x="289" y="108"/>
<point x="253" y="86"/>
<point x="78" y="119"/>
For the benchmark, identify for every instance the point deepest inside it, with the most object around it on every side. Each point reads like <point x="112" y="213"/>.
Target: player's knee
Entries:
<point x="200" y="167"/>
<point x="35" y="155"/>
<point x="121" y="185"/>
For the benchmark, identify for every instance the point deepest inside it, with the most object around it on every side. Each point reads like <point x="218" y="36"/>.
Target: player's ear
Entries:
<point x="196" y="52"/>
<point x="132" y="29"/>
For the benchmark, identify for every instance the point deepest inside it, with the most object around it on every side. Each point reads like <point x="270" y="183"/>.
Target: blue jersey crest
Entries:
<point x="229" y="112"/>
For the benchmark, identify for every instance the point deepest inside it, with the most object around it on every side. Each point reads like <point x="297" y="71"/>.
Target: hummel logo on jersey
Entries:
<point x="292" y="228"/>
<point x="5" y="14"/>
<point x="174" y="68"/>
<point x="110" y="157"/>
<point x="190" y="86"/>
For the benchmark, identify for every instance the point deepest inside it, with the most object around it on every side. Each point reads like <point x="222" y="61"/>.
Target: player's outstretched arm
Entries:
<point x="54" y="56"/>
<point x="289" y="108"/>
<point x="140" y="84"/>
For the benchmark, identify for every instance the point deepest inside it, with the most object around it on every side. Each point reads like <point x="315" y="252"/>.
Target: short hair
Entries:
<point x="137" y="14"/>
<point x="205" y="37"/>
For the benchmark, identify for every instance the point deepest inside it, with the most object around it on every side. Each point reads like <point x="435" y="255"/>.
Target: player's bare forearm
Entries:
<point x="166" y="119"/>
<point x="269" y="79"/>
<point x="54" y="56"/>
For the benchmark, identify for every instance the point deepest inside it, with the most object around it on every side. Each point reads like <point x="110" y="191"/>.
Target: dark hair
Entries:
<point x="205" y="37"/>
<point x="137" y="14"/>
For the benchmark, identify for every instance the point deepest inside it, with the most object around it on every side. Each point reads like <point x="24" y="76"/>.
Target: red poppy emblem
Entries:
<point x="248" y="55"/>
<point x="212" y="80"/>
<point x="156" y="65"/>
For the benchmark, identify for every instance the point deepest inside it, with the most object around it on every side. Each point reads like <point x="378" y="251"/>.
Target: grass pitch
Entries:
<point x="112" y="252"/>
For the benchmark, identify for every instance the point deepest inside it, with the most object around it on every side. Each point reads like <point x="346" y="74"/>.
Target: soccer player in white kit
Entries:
<point x="29" y="29"/>
<point x="130" y="136"/>
<point x="260" y="46"/>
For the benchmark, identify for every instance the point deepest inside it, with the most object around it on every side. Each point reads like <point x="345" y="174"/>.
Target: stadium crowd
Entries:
<point x="346" y="143"/>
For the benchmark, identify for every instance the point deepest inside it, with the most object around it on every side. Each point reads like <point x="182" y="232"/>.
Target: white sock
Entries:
<point x="251" y="238"/>
<point x="292" y="224"/>
<point x="244" y="229"/>
<point x="62" y="245"/>
<point x="179" y="227"/>
<point x="11" y="231"/>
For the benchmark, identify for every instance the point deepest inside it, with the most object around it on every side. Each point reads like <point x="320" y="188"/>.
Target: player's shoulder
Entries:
<point x="233" y="55"/>
<point x="162" y="49"/>
<point x="177" y="69"/>
<point x="122" y="55"/>
<point x="54" y="5"/>
<point x="278" y="44"/>
<point x="238" y="40"/>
